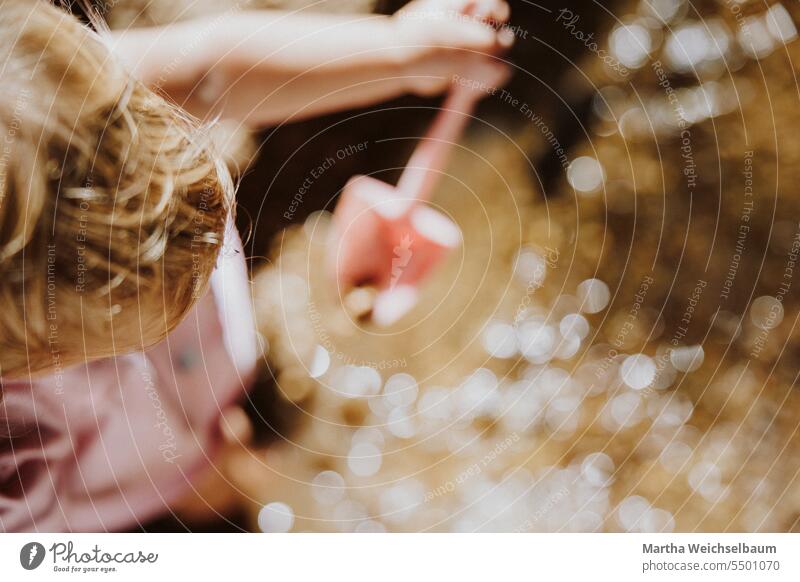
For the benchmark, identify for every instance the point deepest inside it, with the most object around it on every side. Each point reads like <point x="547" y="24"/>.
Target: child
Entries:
<point x="125" y="331"/>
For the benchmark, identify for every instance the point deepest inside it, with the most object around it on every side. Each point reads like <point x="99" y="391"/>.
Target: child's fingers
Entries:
<point x="506" y="38"/>
<point x="490" y="11"/>
<point x="482" y="38"/>
<point x="495" y="12"/>
<point x="471" y="36"/>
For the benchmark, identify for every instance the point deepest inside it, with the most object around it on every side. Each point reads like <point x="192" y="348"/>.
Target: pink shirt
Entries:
<point x="111" y="444"/>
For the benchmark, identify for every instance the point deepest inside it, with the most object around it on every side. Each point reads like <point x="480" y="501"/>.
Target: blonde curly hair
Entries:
<point x="112" y="204"/>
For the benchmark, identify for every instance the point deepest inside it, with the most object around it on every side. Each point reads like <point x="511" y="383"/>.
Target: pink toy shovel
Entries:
<point x="386" y="236"/>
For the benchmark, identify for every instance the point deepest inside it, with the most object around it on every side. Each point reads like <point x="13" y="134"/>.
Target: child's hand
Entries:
<point x="489" y="12"/>
<point x="453" y="37"/>
<point x="266" y="67"/>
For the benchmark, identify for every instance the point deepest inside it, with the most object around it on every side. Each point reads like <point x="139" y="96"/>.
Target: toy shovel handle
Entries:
<point x="430" y="156"/>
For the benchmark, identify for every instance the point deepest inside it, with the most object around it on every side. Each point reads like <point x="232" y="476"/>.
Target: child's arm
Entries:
<point x="266" y="67"/>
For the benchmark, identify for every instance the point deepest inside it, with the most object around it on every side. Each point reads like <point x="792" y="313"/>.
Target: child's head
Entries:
<point x="112" y="208"/>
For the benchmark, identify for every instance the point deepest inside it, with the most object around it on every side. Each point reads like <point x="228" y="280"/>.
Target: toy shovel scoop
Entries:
<point x="387" y="236"/>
